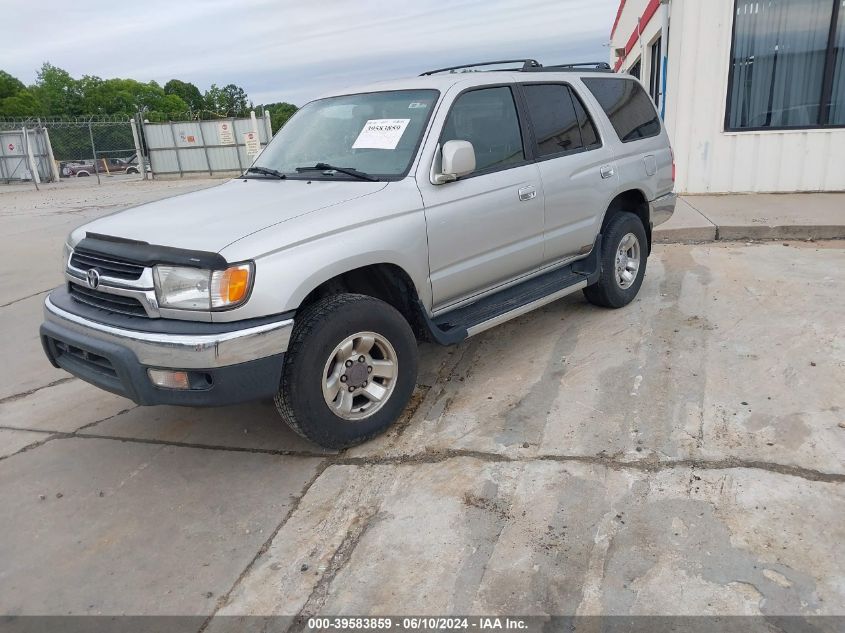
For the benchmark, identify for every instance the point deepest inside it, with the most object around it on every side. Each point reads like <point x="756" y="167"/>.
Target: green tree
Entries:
<point x="9" y="86"/>
<point x="236" y="100"/>
<point x="279" y="113"/>
<point x="21" y="104"/>
<point x="186" y="91"/>
<point x="57" y="92"/>
<point x="230" y="100"/>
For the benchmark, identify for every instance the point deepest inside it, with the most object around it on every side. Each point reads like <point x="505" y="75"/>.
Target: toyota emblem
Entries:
<point x="93" y="278"/>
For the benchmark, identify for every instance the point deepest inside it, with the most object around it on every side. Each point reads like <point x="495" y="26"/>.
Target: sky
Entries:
<point x="281" y="50"/>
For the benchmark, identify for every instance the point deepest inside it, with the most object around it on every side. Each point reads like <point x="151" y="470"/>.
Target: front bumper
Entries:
<point x="662" y="208"/>
<point x="225" y="367"/>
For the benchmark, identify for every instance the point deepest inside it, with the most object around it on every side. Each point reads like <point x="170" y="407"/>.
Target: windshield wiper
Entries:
<point x="267" y="172"/>
<point x="343" y="170"/>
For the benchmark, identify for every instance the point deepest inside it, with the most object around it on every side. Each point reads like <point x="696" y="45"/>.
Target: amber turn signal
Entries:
<point x="231" y="286"/>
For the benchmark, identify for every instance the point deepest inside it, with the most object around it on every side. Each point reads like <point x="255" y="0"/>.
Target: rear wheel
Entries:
<point x="623" y="262"/>
<point x="349" y="372"/>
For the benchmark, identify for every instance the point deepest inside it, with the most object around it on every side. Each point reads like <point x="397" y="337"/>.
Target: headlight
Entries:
<point x="197" y="289"/>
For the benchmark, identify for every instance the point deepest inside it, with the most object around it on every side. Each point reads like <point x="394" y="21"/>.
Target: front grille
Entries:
<point x="106" y="301"/>
<point x="106" y="266"/>
<point x="93" y="361"/>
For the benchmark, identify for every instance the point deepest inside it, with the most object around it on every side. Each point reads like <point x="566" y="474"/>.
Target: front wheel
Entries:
<point x="349" y="371"/>
<point x="624" y="254"/>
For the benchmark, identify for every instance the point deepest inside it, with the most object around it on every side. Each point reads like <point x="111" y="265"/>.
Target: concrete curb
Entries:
<point x="735" y="218"/>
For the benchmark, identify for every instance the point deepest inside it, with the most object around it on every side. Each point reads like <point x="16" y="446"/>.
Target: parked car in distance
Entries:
<point x="432" y="208"/>
<point x="83" y="169"/>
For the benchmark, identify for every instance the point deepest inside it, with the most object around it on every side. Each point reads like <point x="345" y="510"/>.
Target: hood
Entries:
<point x="210" y="219"/>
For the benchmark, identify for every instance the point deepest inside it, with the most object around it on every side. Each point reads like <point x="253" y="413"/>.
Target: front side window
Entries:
<point x="786" y="65"/>
<point x="628" y="107"/>
<point x="377" y="133"/>
<point x="487" y="118"/>
<point x="559" y="126"/>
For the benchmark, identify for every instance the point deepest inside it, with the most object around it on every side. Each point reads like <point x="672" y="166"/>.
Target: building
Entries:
<point x="752" y="91"/>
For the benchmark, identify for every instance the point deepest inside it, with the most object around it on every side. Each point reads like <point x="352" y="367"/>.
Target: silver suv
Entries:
<point x="427" y="208"/>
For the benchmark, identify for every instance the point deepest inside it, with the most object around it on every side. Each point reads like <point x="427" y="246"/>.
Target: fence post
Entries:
<point x="269" y="124"/>
<point x="237" y="146"/>
<point x="54" y="168"/>
<point x="94" y="151"/>
<point x="142" y="164"/>
<point x="176" y="149"/>
<point x="204" y="147"/>
<point x="33" y="168"/>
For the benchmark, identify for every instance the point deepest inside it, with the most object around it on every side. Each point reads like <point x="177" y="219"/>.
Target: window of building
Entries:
<point x="628" y="107"/>
<point x="787" y="65"/>
<point x="561" y="124"/>
<point x="487" y="118"/>
<point x="836" y="112"/>
<point x="655" y="76"/>
<point x="636" y="69"/>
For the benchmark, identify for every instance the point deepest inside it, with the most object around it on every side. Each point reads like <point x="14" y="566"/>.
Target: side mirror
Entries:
<point x="458" y="159"/>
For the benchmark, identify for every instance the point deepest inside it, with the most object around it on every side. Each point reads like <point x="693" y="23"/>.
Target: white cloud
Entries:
<point x="293" y="51"/>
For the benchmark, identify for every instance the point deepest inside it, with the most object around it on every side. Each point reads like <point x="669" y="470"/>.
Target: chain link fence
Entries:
<point x="106" y="147"/>
<point x="85" y="147"/>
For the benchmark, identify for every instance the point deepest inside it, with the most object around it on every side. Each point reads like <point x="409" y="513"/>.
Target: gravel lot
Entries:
<point x="681" y="456"/>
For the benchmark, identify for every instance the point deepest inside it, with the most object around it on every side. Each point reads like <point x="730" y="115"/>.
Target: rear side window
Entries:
<point x="487" y="118"/>
<point x="628" y="107"/>
<point x="588" y="129"/>
<point x="554" y="119"/>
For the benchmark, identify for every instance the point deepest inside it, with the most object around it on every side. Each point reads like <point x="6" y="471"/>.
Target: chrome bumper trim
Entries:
<point x="182" y="351"/>
<point x="662" y="208"/>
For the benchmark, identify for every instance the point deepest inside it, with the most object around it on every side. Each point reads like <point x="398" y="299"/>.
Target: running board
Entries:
<point x="512" y="302"/>
<point x="528" y="307"/>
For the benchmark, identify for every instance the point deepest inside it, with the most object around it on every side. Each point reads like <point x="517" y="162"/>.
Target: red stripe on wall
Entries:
<point x="650" y="11"/>
<point x="618" y="15"/>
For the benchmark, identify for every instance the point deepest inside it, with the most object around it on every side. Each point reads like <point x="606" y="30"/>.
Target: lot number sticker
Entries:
<point x="381" y="134"/>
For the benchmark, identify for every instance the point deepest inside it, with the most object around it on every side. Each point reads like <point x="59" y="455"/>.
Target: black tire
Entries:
<point x="607" y="292"/>
<point x="318" y="330"/>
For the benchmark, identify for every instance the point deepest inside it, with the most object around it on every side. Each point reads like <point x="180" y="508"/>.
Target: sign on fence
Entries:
<point x="253" y="144"/>
<point x="224" y="133"/>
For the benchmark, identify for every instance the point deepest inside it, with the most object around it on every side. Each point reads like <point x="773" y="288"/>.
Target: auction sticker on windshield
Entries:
<point x="381" y="134"/>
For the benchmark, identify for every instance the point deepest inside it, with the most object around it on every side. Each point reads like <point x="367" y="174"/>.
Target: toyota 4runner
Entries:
<point x="427" y="208"/>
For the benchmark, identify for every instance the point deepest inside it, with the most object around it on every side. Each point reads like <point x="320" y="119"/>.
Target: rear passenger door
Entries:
<point x="486" y="228"/>
<point x="576" y="168"/>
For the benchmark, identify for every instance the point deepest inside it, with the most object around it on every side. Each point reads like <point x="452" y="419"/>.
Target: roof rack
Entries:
<point x="529" y="66"/>
<point x="601" y="67"/>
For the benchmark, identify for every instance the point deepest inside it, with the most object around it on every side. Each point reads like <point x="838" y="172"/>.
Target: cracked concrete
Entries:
<point x="681" y="456"/>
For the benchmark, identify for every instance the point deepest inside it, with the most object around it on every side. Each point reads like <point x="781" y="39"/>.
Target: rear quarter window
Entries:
<point x="628" y="107"/>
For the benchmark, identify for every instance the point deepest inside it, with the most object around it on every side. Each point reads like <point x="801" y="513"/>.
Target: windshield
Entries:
<point x="376" y="133"/>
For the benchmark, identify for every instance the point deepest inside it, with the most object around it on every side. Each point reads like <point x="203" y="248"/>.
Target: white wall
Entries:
<point x="708" y="159"/>
<point x="650" y="32"/>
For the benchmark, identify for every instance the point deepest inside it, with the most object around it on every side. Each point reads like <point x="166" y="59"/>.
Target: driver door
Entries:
<point x="486" y="228"/>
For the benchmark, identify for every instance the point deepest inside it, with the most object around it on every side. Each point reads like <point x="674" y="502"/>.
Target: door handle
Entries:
<point x="607" y="171"/>
<point x="527" y="193"/>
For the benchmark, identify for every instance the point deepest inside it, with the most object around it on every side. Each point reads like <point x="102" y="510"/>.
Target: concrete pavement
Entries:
<point x="681" y="456"/>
